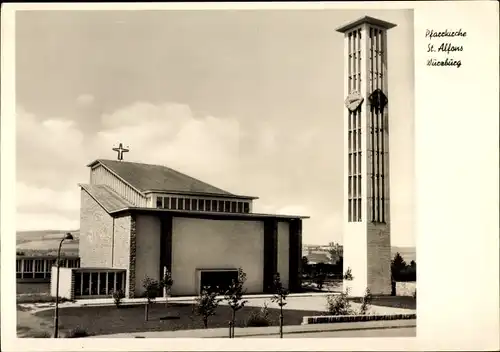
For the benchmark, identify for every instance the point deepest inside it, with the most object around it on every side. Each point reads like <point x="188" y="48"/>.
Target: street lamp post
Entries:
<point x="68" y="236"/>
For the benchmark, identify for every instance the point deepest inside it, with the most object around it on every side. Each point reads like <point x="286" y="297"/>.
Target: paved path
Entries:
<point x="393" y="332"/>
<point x="359" y="329"/>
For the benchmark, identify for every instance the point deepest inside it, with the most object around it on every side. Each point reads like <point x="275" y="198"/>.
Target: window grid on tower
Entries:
<point x="377" y="128"/>
<point x="354" y="130"/>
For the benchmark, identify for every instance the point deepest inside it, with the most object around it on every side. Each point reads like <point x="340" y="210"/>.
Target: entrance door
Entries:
<point x="218" y="280"/>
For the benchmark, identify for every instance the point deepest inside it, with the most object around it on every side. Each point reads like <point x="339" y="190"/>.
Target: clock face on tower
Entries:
<point x="353" y="100"/>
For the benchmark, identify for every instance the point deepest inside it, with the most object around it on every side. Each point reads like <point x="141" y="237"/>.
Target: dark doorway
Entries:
<point x="218" y="280"/>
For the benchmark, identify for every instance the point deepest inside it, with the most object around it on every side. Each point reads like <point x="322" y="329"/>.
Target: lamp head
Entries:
<point x="68" y="236"/>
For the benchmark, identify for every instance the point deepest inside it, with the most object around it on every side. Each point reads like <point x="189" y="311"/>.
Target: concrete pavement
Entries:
<point x="358" y="329"/>
<point x="392" y="332"/>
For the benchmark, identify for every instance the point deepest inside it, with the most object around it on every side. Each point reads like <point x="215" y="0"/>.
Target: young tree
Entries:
<point x="234" y="297"/>
<point x="280" y="295"/>
<point x="166" y="283"/>
<point x="365" y="302"/>
<point x="206" y="304"/>
<point x="152" y="290"/>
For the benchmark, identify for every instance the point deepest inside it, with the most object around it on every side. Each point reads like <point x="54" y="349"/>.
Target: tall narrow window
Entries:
<point x="349" y="210"/>
<point x="93" y="283"/>
<point x="187" y="204"/>
<point x="227" y="206"/>
<point x="173" y="203"/>
<point x="354" y="136"/>
<point x="85" y="284"/>
<point x="166" y="202"/>
<point x="194" y="204"/>
<point x="180" y="204"/>
<point x="102" y="284"/>
<point x="221" y="206"/>
<point x="214" y="205"/>
<point x="246" y="207"/>
<point x="159" y="202"/>
<point x="208" y="205"/>
<point x="359" y="209"/>
<point x="78" y="284"/>
<point x="233" y="207"/>
<point x="111" y="282"/>
<point x="201" y="204"/>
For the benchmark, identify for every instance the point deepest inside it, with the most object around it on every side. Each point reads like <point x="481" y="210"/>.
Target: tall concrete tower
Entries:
<point x="367" y="239"/>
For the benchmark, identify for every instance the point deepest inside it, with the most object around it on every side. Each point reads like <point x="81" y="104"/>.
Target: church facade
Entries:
<point x="144" y="219"/>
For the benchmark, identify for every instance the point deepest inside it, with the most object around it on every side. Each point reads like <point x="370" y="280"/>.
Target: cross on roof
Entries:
<point x="120" y="151"/>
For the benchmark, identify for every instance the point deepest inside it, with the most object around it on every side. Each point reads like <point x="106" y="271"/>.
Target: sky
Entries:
<point x="249" y="101"/>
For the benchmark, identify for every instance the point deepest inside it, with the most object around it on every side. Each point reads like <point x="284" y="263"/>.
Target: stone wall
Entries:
<point x="96" y="234"/>
<point x="405" y="288"/>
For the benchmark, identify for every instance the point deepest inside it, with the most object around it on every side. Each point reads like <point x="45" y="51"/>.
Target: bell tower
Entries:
<point x="367" y="235"/>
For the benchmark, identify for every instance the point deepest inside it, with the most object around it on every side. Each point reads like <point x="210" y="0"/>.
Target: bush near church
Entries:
<point x="260" y="318"/>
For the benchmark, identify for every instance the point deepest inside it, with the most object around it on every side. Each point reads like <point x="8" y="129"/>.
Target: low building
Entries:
<point x="39" y="268"/>
<point x="138" y="220"/>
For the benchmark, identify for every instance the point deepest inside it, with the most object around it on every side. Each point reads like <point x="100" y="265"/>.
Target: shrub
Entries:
<point x="77" y="332"/>
<point x="117" y="297"/>
<point x="348" y="275"/>
<point x="259" y="318"/>
<point x="339" y="304"/>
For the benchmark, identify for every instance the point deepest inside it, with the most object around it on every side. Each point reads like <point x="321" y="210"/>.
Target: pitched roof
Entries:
<point x="158" y="178"/>
<point x="107" y="198"/>
<point x="114" y="204"/>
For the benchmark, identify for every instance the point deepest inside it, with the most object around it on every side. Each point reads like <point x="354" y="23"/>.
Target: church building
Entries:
<point x="140" y="220"/>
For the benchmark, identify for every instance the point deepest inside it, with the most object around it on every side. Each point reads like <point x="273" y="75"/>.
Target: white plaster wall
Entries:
<point x="355" y="257"/>
<point x="216" y="244"/>
<point x="148" y="230"/>
<point x="65" y="282"/>
<point x="284" y="252"/>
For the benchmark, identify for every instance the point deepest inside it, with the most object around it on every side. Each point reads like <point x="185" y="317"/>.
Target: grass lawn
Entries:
<point x="110" y="320"/>
<point x="405" y="302"/>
